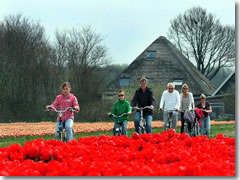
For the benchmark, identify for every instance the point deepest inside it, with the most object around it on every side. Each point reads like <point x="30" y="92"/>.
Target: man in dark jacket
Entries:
<point x="143" y="97"/>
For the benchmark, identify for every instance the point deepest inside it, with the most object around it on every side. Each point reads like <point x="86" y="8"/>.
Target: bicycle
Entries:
<point x="117" y="131"/>
<point x="196" y="126"/>
<point x="142" y="126"/>
<point x="185" y="129"/>
<point x="61" y="129"/>
<point x="169" y="119"/>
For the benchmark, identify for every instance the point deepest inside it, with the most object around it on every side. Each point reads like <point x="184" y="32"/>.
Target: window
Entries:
<point x="151" y="54"/>
<point x="124" y="82"/>
<point x="178" y="82"/>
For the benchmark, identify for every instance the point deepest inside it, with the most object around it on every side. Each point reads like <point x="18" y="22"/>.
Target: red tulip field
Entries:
<point x="165" y="154"/>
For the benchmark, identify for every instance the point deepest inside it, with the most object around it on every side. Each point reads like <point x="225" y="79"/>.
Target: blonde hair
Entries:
<point x="143" y="79"/>
<point x="202" y="96"/>
<point x="184" y="86"/>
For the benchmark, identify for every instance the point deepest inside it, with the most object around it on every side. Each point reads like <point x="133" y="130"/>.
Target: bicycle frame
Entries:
<point x="118" y="130"/>
<point x="61" y="127"/>
<point x="169" y="120"/>
<point x="185" y="125"/>
<point x="196" y="128"/>
<point x="142" y="126"/>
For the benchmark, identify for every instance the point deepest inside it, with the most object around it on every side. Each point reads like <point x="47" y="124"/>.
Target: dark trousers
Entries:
<point x="182" y="123"/>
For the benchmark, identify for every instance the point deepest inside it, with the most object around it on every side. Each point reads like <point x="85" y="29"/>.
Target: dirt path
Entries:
<point x="48" y="128"/>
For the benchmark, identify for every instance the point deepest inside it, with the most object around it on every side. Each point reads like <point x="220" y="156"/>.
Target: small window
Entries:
<point x="178" y="82"/>
<point x="124" y="82"/>
<point x="151" y="54"/>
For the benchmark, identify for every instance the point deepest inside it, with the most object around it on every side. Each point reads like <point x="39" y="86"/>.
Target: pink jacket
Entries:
<point x="61" y="103"/>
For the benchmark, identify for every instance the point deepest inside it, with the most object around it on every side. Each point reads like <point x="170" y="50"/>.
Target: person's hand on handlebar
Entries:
<point x="108" y="114"/>
<point x="160" y="109"/>
<point x="75" y="108"/>
<point x="47" y="107"/>
<point x="132" y="108"/>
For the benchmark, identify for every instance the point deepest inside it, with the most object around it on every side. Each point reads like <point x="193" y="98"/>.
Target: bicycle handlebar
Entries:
<point x="146" y="107"/>
<point x="169" y="110"/>
<point x="61" y="111"/>
<point x="119" y="116"/>
<point x="192" y="110"/>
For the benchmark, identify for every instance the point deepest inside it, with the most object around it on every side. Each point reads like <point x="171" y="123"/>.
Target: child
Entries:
<point x="121" y="106"/>
<point x="63" y="101"/>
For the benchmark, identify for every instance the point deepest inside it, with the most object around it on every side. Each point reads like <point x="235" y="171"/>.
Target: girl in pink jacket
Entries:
<point x="63" y="101"/>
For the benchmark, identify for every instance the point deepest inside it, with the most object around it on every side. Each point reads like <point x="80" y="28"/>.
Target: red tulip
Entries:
<point x="166" y="154"/>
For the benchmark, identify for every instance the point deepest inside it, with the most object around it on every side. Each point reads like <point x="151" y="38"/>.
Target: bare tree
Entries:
<point x="82" y="52"/>
<point x="31" y="69"/>
<point x="203" y="40"/>
<point x="24" y="56"/>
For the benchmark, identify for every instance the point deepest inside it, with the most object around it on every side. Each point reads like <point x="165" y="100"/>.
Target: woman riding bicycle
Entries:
<point x="120" y="107"/>
<point x="63" y="101"/>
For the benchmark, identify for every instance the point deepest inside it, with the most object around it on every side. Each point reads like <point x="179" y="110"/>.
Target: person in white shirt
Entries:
<point x="170" y="101"/>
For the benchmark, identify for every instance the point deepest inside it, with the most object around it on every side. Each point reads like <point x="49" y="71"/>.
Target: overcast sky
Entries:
<point x="128" y="26"/>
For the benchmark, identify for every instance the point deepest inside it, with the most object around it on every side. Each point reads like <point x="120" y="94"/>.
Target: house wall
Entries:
<point x="218" y="105"/>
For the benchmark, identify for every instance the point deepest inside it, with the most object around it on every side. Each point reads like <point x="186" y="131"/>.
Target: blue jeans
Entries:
<point x="205" y="125"/>
<point x="68" y="128"/>
<point x="124" y="127"/>
<point x="148" y="122"/>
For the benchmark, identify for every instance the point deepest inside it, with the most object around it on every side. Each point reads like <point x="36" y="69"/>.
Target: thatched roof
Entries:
<point x="165" y="67"/>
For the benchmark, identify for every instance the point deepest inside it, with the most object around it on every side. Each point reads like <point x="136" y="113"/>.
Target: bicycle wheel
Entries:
<point x="117" y="132"/>
<point x="60" y="136"/>
<point x="185" y="129"/>
<point x="142" y="130"/>
<point x="167" y="126"/>
<point x="120" y="131"/>
<point x="170" y="124"/>
<point x="73" y="133"/>
<point x="197" y="130"/>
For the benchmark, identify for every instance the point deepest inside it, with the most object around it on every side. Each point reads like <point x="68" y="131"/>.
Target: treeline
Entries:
<point x="32" y="69"/>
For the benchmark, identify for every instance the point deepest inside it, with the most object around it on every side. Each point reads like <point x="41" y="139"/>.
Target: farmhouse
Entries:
<point x="223" y="99"/>
<point x="161" y="63"/>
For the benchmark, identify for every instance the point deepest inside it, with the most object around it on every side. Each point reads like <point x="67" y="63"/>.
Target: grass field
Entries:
<point x="226" y="130"/>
